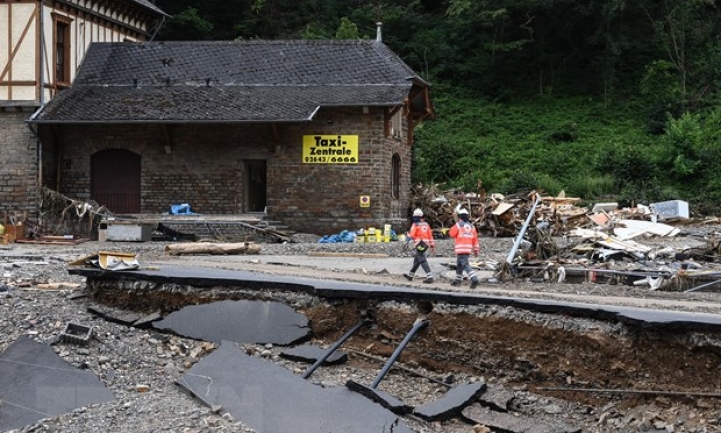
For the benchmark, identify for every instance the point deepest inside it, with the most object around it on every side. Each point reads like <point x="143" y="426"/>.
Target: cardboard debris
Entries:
<point x="109" y="260"/>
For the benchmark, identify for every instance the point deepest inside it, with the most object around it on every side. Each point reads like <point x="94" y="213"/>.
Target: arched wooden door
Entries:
<point x="115" y="180"/>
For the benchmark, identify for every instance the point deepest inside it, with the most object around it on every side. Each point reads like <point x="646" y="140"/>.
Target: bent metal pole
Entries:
<point x="512" y="253"/>
<point x="361" y="323"/>
<point x="420" y="324"/>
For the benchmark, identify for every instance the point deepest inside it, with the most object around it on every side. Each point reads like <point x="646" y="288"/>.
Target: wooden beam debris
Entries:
<point x="212" y="248"/>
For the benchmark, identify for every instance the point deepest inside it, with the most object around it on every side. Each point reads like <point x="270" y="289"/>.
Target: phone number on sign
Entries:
<point x="331" y="159"/>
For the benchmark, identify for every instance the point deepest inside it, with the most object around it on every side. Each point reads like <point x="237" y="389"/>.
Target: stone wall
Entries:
<point x="18" y="170"/>
<point x="203" y="165"/>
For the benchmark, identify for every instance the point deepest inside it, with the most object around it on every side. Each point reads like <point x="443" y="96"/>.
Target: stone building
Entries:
<point x="42" y="43"/>
<point x="314" y="134"/>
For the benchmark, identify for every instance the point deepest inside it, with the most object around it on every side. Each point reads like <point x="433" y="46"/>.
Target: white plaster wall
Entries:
<point x="23" y="65"/>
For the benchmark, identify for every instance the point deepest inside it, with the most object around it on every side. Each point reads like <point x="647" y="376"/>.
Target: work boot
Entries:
<point x="408" y="276"/>
<point x="429" y="279"/>
<point x="456" y="283"/>
<point x="474" y="283"/>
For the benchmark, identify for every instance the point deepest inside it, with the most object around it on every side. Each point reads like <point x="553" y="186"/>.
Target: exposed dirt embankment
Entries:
<point x="521" y="348"/>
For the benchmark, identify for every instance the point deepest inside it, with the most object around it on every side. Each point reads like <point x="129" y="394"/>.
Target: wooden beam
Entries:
<point x="18" y="83"/>
<point x="17" y="47"/>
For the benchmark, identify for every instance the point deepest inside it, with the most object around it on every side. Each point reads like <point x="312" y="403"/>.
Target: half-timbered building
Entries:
<point x="42" y="44"/>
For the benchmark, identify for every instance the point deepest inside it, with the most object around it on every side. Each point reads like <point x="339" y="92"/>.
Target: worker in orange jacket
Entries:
<point x="422" y="236"/>
<point x="466" y="242"/>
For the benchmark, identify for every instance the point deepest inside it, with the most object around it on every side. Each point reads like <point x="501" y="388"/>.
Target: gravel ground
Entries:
<point x="140" y="366"/>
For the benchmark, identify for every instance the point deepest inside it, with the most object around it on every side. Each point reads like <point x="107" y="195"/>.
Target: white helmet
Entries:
<point x="418" y="212"/>
<point x="463" y="211"/>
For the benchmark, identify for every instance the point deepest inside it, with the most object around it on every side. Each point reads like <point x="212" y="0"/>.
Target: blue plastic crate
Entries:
<point x="180" y="209"/>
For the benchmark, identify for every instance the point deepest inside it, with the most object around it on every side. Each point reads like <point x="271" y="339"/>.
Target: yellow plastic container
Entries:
<point x="371" y="233"/>
<point x="379" y="235"/>
<point x="387" y="233"/>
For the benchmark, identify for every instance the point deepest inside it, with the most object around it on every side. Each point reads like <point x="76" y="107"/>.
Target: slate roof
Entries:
<point x="229" y="81"/>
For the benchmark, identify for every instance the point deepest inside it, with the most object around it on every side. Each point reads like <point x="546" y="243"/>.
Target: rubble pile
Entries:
<point x="559" y="241"/>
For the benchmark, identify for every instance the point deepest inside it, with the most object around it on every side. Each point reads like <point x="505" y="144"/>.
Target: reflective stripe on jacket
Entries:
<point x="466" y="237"/>
<point x="421" y="231"/>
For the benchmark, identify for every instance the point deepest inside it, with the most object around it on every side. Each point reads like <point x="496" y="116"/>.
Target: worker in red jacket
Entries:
<point x="422" y="240"/>
<point x="466" y="242"/>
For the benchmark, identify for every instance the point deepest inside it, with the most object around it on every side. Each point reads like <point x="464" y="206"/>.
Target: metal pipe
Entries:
<point x="420" y="324"/>
<point x="703" y="286"/>
<point x="512" y="253"/>
<point x="41" y="23"/>
<point x="361" y="323"/>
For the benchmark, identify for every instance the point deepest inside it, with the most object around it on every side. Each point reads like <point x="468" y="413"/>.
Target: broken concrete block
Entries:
<point x="310" y="354"/>
<point x="36" y="383"/>
<point x="496" y="398"/>
<point x="114" y="315"/>
<point x="271" y="399"/>
<point x="514" y="423"/>
<point x="146" y="322"/>
<point x="452" y="403"/>
<point x="381" y="397"/>
<point x="76" y="333"/>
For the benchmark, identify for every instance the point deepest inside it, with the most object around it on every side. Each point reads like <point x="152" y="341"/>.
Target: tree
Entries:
<point x="187" y="25"/>
<point x="347" y="29"/>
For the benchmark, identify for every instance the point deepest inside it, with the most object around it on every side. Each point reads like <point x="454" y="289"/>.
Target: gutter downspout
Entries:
<point x="41" y="100"/>
<point x="42" y="52"/>
<point x="42" y="91"/>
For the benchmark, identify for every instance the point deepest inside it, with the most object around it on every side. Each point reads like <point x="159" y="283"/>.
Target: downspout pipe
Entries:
<point x="43" y="60"/>
<point x="42" y="52"/>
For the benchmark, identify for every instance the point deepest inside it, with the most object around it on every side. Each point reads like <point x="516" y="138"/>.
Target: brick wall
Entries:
<point x="18" y="170"/>
<point x="325" y="198"/>
<point x="203" y="165"/>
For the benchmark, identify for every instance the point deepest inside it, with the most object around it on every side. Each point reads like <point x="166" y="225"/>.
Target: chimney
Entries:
<point x="378" y="31"/>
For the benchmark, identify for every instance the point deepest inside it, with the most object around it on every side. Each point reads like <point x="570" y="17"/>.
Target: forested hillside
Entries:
<point x="600" y="98"/>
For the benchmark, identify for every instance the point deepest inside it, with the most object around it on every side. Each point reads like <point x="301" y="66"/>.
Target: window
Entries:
<point x="62" y="50"/>
<point x="396" y="125"/>
<point x="396" y="176"/>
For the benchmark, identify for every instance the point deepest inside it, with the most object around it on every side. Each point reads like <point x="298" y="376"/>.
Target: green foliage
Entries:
<point x="682" y="141"/>
<point x="186" y="25"/>
<point x="578" y="145"/>
<point x="347" y="29"/>
<point x="591" y="186"/>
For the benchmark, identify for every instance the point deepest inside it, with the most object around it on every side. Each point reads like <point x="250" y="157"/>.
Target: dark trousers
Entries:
<point x="419" y="260"/>
<point x="462" y="264"/>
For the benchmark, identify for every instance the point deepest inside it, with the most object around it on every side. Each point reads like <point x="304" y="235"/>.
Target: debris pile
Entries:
<point x="557" y="240"/>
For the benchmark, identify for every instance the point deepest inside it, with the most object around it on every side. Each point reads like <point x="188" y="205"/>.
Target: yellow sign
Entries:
<point x="365" y="201"/>
<point x="330" y="149"/>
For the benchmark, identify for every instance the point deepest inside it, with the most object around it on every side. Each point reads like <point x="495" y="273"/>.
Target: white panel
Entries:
<point x="24" y="93"/>
<point x="4" y="19"/>
<point x="23" y="63"/>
